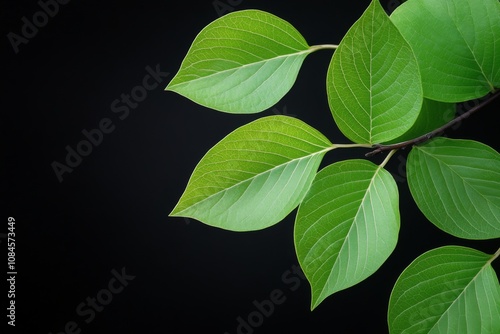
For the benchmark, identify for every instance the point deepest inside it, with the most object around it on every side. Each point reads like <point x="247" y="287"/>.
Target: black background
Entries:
<point x="112" y="211"/>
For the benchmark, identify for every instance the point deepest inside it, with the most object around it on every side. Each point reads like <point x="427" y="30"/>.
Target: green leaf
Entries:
<point x="255" y="176"/>
<point x="456" y="184"/>
<point x="432" y="116"/>
<point x="373" y="83"/>
<point x="457" y="45"/>
<point x="347" y="226"/>
<point x="243" y="62"/>
<point x="447" y="290"/>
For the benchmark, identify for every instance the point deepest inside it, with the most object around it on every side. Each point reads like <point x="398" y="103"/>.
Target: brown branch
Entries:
<point x="381" y="148"/>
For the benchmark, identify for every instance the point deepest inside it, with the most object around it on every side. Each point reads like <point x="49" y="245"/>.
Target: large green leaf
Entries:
<point x="347" y="226"/>
<point x="457" y="44"/>
<point x="256" y="176"/>
<point x="373" y="83"/>
<point x="433" y="115"/>
<point x="447" y="290"/>
<point x="456" y="184"/>
<point x="243" y="62"/>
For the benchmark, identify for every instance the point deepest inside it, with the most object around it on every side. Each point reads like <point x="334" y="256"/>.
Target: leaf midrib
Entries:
<point x="371" y="77"/>
<point x="227" y="71"/>
<point x="461" y="293"/>
<point x="490" y="84"/>
<point x="253" y="177"/>
<point x="459" y="176"/>
<point x="352" y="225"/>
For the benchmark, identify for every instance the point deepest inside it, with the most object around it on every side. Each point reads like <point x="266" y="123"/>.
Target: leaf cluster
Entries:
<point x="393" y="82"/>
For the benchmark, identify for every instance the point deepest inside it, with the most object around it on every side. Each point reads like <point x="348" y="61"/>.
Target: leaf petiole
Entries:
<point x="495" y="256"/>
<point x="322" y="47"/>
<point x="334" y="146"/>
<point x="387" y="158"/>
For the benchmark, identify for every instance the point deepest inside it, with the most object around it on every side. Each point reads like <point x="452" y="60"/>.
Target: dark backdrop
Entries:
<point x="109" y="215"/>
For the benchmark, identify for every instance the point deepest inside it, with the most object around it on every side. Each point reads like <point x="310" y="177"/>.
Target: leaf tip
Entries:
<point x="168" y="87"/>
<point x="316" y="300"/>
<point x="175" y="212"/>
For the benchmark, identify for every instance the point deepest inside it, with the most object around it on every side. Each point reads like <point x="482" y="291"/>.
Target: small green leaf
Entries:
<point x="456" y="184"/>
<point x="373" y="83"/>
<point x="446" y="290"/>
<point x="433" y="115"/>
<point x="347" y="226"/>
<point x="243" y="62"/>
<point x="457" y="45"/>
<point x="255" y="176"/>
